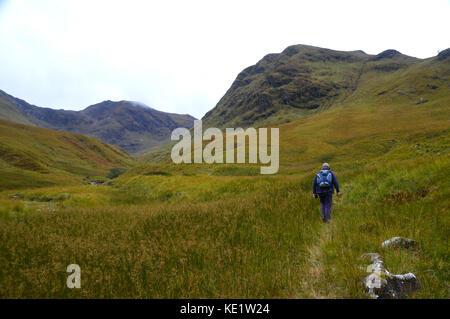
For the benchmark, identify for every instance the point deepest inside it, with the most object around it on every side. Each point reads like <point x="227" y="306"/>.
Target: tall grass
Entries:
<point x="251" y="246"/>
<point x="172" y="231"/>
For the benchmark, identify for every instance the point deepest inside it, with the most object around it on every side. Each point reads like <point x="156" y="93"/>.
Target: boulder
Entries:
<point x="399" y="242"/>
<point x="380" y="283"/>
<point x="421" y="101"/>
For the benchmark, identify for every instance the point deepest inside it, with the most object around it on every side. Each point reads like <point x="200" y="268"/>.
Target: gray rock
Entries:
<point x="380" y="283"/>
<point x="399" y="242"/>
<point x="422" y="100"/>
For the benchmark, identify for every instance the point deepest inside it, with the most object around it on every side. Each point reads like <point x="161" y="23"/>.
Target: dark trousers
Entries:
<point x="326" y="200"/>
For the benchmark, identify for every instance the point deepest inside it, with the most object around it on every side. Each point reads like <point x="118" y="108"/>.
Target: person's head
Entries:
<point x="325" y="166"/>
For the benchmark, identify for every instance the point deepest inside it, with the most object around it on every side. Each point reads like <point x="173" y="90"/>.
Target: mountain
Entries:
<point x="171" y="230"/>
<point x="390" y="151"/>
<point x="304" y="80"/>
<point x="132" y="126"/>
<point x="31" y="156"/>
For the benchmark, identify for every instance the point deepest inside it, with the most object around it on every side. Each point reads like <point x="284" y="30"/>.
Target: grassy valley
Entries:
<point x="163" y="230"/>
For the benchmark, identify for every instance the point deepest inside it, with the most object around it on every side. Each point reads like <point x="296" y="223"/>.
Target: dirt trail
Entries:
<point x="315" y="277"/>
<point x="317" y="283"/>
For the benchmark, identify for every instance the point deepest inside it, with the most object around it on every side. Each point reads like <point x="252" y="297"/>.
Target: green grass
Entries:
<point x="194" y="230"/>
<point x="10" y="112"/>
<point x="35" y="157"/>
<point x="172" y="231"/>
<point x="264" y="242"/>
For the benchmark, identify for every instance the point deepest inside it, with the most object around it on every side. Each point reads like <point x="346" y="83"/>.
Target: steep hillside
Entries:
<point x="132" y="126"/>
<point x="384" y="80"/>
<point x="304" y="80"/>
<point x="34" y="157"/>
<point x="9" y="110"/>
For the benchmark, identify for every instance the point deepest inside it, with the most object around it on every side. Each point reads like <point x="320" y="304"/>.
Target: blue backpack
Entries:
<point x="324" y="178"/>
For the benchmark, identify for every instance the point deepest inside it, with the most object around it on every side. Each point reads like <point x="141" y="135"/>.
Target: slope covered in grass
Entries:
<point x="10" y="112"/>
<point x="34" y="157"/>
<point x="303" y="80"/>
<point x="221" y="230"/>
<point x="169" y="230"/>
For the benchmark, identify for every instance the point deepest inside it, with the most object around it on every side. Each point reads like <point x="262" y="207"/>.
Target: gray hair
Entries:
<point x="326" y="166"/>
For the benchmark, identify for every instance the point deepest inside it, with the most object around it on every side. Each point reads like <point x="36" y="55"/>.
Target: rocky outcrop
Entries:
<point x="380" y="283"/>
<point x="399" y="242"/>
<point x="445" y="54"/>
<point x="422" y="100"/>
<point x="387" y="54"/>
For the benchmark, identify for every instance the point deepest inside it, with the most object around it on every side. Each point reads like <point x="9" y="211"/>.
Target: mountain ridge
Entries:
<point x="303" y="80"/>
<point x="131" y="125"/>
<point x="298" y="82"/>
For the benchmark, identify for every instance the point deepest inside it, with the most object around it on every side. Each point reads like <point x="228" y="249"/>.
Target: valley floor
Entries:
<point x="262" y="238"/>
<point x="224" y="231"/>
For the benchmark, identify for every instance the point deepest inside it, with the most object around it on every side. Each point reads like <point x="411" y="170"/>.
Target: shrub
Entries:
<point x="116" y="172"/>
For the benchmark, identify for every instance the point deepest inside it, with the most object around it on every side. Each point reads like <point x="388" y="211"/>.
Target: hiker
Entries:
<point x="324" y="183"/>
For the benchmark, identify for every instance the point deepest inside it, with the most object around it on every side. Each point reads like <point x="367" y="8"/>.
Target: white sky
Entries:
<point x="182" y="56"/>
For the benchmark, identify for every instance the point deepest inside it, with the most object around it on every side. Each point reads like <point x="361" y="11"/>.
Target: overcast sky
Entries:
<point x="182" y="56"/>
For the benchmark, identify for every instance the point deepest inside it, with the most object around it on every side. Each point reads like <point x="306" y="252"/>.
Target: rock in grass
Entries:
<point x="399" y="242"/>
<point x="421" y="101"/>
<point x="96" y="183"/>
<point x="382" y="284"/>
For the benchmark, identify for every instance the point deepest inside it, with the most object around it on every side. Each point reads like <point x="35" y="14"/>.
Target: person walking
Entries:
<point x="323" y="187"/>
